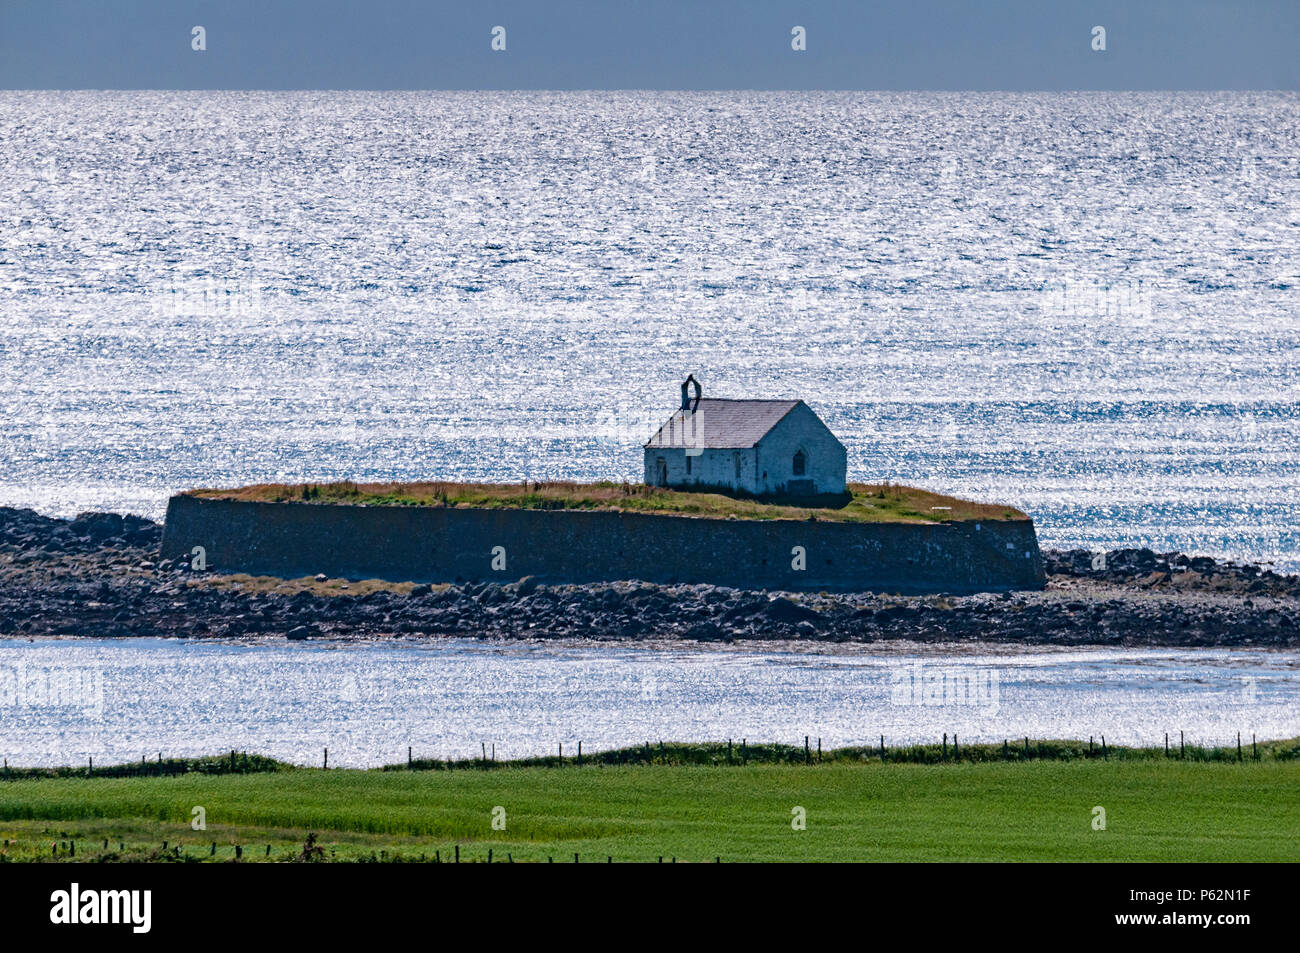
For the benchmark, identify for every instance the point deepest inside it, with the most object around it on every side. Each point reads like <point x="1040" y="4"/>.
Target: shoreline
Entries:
<point x="733" y="753"/>
<point x="99" y="575"/>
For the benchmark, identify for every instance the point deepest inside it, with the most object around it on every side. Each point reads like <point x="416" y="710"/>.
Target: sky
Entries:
<point x="650" y="44"/>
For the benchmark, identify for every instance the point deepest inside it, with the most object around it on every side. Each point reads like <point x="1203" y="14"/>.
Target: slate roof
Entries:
<point x="717" y="424"/>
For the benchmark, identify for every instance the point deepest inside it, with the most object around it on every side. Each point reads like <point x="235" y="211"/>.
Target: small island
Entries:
<point x="750" y="493"/>
<point x="867" y="538"/>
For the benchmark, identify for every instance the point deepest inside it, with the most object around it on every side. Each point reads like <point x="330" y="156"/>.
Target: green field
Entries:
<point x="864" y="503"/>
<point x="1157" y="809"/>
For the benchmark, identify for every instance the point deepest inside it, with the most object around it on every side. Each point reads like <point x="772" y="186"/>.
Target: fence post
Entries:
<point x="882" y="749"/>
<point x="1182" y="746"/>
<point x="1239" y="746"/>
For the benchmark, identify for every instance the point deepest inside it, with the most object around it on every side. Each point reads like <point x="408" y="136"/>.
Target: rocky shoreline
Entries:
<point x="99" y="575"/>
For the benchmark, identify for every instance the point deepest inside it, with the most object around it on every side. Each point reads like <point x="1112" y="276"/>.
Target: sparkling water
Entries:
<point x="64" y="701"/>
<point x="1087" y="305"/>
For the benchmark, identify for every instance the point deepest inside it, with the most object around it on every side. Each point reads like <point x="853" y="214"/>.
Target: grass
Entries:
<point x="333" y="586"/>
<point x="693" y="807"/>
<point x="864" y="503"/>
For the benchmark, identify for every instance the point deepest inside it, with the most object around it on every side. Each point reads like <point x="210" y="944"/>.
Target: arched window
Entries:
<point x="800" y="463"/>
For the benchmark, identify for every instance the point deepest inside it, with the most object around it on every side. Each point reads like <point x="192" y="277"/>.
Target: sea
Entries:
<point x="1086" y="305"/>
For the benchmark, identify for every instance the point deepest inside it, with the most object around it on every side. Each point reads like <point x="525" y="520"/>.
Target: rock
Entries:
<point x="97" y="526"/>
<point x="421" y="590"/>
<point x="704" y="632"/>
<point x="782" y="609"/>
<point x="526" y="586"/>
<point x="744" y="610"/>
<point x="300" y="632"/>
<point x="320" y="577"/>
<point x="632" y="627"/>
<point x="895" y="613"/>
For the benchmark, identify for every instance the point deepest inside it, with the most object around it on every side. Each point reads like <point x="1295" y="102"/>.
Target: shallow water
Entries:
<point x="1087" y="305"/>
<point x="63" y="701"/>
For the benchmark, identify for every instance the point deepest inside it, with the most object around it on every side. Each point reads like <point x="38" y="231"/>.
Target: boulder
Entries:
<point x="783" y="610"/>
<point x="704" y="632"/>
<point x="97" y="526"/>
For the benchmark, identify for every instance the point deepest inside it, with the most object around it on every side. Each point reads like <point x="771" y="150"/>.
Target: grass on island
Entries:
<point x="694" y="807"/>
<point x="864" y="503"/>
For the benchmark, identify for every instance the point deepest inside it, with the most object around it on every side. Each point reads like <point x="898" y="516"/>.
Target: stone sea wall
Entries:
<point x="440" y="544"/>
<point x="100" y="576"/>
